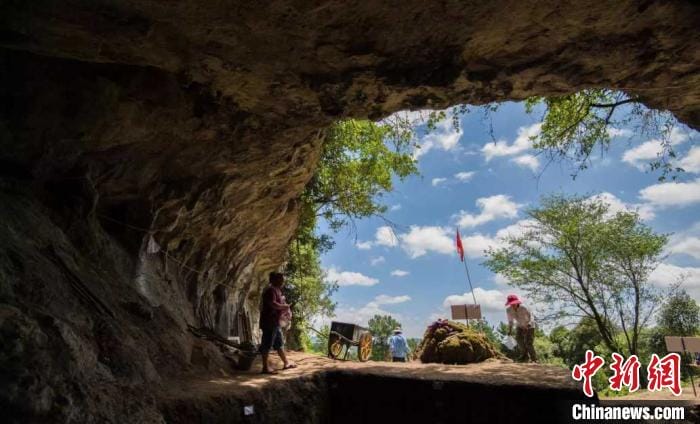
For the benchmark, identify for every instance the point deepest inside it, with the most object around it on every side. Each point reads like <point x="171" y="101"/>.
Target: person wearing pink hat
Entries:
<point x="524" y="327"/>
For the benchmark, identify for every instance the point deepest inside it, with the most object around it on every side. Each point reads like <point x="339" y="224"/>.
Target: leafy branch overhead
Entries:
<point x="358" y="163"/>
<point x="575" y="124"/>
<point x="357" y="166"/>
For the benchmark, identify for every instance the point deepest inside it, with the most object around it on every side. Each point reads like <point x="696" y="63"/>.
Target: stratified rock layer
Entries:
<point x="197" y="125"/>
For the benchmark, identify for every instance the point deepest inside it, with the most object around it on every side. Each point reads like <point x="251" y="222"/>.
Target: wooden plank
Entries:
<point x="459" y="311"/>
<point x="673" y="344"/>
<point x="692" y="344"/>
<point x="466" y="311"/>
<point x="473" y="311"/>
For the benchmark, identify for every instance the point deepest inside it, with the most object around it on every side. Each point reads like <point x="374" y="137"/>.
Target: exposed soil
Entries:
<point x="324" y="390"/>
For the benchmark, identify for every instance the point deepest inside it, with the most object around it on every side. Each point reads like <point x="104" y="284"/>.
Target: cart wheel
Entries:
<point x="364" y="347"/>
<point x="335" y="346"/>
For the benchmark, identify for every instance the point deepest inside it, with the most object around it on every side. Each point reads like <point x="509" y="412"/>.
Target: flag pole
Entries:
<point x="469" y="280"/>
<point x="466" y="268"/>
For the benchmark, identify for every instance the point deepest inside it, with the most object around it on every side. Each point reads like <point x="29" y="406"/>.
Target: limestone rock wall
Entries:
<point x="199" y="123"/>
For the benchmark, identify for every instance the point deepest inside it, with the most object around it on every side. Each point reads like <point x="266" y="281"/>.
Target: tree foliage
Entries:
<point x="358" y="164"/>
<point x="580" y="260"/>
<point x="571" y="345"/>
<point x="307" y="291"/>
<point x="381" y="326"/>
<point x="679" y="316"/>
<point x="575" y="124"/>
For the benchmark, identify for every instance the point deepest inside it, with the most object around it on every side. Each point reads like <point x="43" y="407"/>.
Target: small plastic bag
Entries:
<point x="510" y="343"/>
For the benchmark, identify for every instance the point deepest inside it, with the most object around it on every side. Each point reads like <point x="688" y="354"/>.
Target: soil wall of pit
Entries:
<point x="347" y="397"/>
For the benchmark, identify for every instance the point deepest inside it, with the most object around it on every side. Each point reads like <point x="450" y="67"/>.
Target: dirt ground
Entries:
<point x="319" y="386"/>
<point x="494" y="372"/>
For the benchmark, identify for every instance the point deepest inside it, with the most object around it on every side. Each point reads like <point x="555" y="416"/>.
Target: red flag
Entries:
<point x="460" y="248"/>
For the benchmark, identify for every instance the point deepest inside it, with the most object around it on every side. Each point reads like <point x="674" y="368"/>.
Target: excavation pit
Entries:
<point x="326" y="391"/>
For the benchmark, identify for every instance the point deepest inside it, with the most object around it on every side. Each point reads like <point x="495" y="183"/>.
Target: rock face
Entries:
<point x="197" y="124"/>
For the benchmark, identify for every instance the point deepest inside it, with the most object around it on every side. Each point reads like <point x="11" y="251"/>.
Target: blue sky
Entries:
<point x="483" y="187"/>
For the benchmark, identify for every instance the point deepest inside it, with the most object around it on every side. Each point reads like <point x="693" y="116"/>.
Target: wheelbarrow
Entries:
<point x="344" y="336"/>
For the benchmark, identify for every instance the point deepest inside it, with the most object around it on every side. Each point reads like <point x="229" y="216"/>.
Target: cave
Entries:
<point x="152" y="154"/>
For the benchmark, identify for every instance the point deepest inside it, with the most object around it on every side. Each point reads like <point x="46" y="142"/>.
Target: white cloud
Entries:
<point x="640" y="156"/>
<point x="672" y="193"/>
<point x="385" y="237"/>
<point x="399" y="273"/>
<point x="527" y="161"/>
<point x="500" y="280"/>
<point x="687" y="245"/>
<point x="364" y="245"/>
<point x="493" y="207"/>
<point x="465" y="176"/>
<point x="349" y="278"/>
<point x="678" y="136"/>
<point x="490" y="300"/>
<point x="395" y="207"/>
<point x="522" y="143"/>
<point x="475" y="244"/>
<point x="492" y="303"/>
<point x="686" y="242"/>
<point x="615" y="205"/>
<point x="363" y="314"/>
<point x="619" y="132"/>
<point x="666" y="274"/>
<point x="378" y="260"/>
<point x="444" y="137"/>
<point x="691" y="161"/>
<point x="515" y="230"/>
<point x="421" y="240"/>
<point x="383" y="299"/>
<point x="438" y="181"/>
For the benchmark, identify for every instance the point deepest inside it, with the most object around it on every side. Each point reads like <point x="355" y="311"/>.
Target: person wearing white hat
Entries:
<point x="398" y="346"/>
<point x="524" y="327"/>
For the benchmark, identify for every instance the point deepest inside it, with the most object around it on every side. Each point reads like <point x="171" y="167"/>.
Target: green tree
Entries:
<point x="358" y="163"/>
<point x="571" y="345"/>
<point x="307" y="291"/>
<point x="381" y="326"/>
<point x="575" y="124"/>
<point x="359" y="160"/>
<point x="484" y="327"/>
<point x="319" y="341"/>
<point x="679" y="316"/>
<point x="579" y="260"/>
<point x="413" y="344"/>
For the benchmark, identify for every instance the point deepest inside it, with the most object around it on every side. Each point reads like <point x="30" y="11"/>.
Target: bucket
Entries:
<point x="510" y="343"/>
<point x="245" y="360"/>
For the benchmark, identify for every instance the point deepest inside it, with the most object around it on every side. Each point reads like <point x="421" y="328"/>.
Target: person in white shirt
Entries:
<point x="524" y="327"/>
